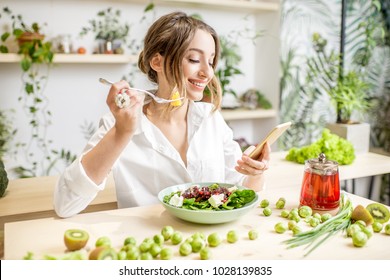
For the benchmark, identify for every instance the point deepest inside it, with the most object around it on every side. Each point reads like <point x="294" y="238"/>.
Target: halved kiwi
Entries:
<point x="103" y="253"/>
<point x="362" y="214"/>
<point x="379" y="212"/>
<point x="75" y="239"/>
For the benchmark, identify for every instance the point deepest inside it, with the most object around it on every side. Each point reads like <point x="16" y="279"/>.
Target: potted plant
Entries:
<point x="6" y="133"/>
<point x="349" y="94"/>
<point x="36" y="59"/>
<point x="109" y="31"/>
<point x="30" y="41"/>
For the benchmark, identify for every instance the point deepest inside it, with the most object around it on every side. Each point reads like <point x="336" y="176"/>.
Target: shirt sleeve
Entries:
<point x="74" y="190"/>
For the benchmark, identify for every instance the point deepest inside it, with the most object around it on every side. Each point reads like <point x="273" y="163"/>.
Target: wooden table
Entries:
<point x="45" y="236"/>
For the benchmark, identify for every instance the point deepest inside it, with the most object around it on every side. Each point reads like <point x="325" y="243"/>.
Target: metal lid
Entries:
<point x="322" y="163"/>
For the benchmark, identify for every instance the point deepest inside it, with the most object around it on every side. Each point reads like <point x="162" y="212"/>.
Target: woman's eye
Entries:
<point x="193" y="60"/>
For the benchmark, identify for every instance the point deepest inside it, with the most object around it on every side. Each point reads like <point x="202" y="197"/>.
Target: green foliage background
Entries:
<point x="367" y="49"/>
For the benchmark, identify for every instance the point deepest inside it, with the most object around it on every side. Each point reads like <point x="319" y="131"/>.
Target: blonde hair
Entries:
<point x="170" y="37"/>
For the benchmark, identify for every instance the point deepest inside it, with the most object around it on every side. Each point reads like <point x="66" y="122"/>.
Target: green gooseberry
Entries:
<point x="232" y="236"/>
<point x="264" y="203"/>
<point x="146" y="256"/>
<point x="132" y="253"/>
<point x="353" y="228"/>
<point x="387" y="229"/>
<point x="325" y="217"/>
<point x="185" y="249"/>
<point x="377" y="226"/>
<point x="167" y="232"/>
<point x="214" y="239"/>
<point x="267" y="211"/>
<point x="280" y="203"/>
<point x="205" y="253"/>
<point x="103" y="241"/>
<point x="284" y="213"/>
<point x="166" y="253"/>
<point x="158" y="239"/>
<point x="176" y="237"/>
<point x="291" y="224"/>
<point x="305" y="211"/>
<point x="253" y="234"/>
<point x="297" y="229"/>
<point x="129" y="240"/>
<point x="155" y="249"/>
<point x="359" y="239"/>
<point x="197" y="244"/>
<point x="280" y="227"/>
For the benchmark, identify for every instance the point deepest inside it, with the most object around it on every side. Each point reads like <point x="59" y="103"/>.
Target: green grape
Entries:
<point x="185" y="249"/>
<point x="167" y="232"/>
<point x="267" y="211"/>
<point x="103" y="241"/>
<point x="232" y="236"/>
<point x="205" y="253"/>
<point x="253" y="234"/>
<point x="264" y="203"/>
<point x="214" y="239"/>
<point x="166" y="253"/>
<point x="377" y="226"/>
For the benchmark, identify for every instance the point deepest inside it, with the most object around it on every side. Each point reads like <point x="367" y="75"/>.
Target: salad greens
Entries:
<point x="198" y="198"/>
<point x="334" y="147"/>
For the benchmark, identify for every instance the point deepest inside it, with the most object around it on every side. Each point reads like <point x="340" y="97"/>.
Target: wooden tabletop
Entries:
<point x="45" y="236"/>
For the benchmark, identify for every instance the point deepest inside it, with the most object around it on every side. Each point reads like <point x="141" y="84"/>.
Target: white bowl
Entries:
<point x="205" y="216"/>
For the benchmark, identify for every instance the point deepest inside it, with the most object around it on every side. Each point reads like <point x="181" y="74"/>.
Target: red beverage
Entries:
<point x="320" y="191"/>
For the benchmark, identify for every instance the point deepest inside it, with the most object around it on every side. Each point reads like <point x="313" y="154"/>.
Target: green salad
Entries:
<point x="212" y="197"/>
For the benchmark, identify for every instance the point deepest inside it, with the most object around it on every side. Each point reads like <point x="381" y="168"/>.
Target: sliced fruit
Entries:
<point x="103" y="253"/>
<point x="176" y="95"/>
<point x="75" y="239"/>
<point x="379" y="212"/>
<point x="362" y="214"/>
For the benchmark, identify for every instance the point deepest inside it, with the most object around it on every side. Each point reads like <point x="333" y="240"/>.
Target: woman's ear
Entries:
<point x="156" y="63"/>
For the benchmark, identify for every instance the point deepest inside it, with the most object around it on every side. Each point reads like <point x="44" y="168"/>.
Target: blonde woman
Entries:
<point x="149" y="146"/>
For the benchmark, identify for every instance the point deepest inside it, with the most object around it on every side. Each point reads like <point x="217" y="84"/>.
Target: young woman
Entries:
<point x="149" y="146"/>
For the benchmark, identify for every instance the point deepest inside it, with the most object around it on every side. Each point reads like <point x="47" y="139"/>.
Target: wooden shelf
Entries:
<point x="253" y="6"/>
<point x="244" y="114"/>
<point x="77" y="58"/>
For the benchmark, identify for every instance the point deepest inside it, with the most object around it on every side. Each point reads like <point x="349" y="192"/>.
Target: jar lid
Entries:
<point x="322" y="163"/>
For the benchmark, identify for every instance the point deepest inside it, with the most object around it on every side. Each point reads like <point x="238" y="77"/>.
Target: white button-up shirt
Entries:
<point x="150" y="163"/>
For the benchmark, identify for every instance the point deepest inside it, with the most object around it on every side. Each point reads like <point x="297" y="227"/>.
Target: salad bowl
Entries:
<point x="205" y="216"/>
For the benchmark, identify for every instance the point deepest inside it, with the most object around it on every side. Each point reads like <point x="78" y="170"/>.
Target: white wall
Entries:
<point x="75" y="96"/>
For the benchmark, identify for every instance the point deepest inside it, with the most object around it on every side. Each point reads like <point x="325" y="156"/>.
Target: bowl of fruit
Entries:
<point x="208" y="203"/>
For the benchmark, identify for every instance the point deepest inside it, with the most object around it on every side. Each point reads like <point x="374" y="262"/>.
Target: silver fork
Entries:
<point x="156" y="98"/>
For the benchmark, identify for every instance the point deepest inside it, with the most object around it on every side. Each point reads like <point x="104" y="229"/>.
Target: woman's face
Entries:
<point x="198" y="64"/>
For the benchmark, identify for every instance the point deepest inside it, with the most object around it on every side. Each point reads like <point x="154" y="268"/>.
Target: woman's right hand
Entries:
<point x="125" y="118"/>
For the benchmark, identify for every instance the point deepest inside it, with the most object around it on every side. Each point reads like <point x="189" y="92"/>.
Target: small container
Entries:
<point x="321" y="184"/>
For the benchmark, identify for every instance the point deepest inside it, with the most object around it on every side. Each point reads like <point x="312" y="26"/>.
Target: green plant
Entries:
<point x="31" y="42"/>
<point x="348" y="92"/>
<point x="107" y="26"/>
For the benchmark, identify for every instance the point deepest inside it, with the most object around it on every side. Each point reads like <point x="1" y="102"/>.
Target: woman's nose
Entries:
<point x="206" y="70"/>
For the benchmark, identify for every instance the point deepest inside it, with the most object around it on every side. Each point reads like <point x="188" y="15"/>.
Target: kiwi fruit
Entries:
<point x="103" y="253"/>
<point x="75" y="239"/>
<point x="362" y="214"/>
<point x="379" y="212"/>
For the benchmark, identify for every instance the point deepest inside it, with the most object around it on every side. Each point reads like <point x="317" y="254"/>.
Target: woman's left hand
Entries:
<point x="254" y="167"/>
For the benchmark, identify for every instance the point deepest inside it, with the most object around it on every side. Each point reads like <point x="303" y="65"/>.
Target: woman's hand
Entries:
<point x="254" y="167"/>
<point x="125" y="118"/>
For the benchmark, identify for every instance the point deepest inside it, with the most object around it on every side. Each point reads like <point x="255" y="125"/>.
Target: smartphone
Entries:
<point x="272" y="136"/>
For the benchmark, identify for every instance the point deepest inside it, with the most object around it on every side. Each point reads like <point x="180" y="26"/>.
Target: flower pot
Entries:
<point x="29" y="37"/>
<point x="357" y="133"/>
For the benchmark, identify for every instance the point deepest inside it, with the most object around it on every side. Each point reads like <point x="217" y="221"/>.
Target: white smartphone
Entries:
<point x="272" y="136"/>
